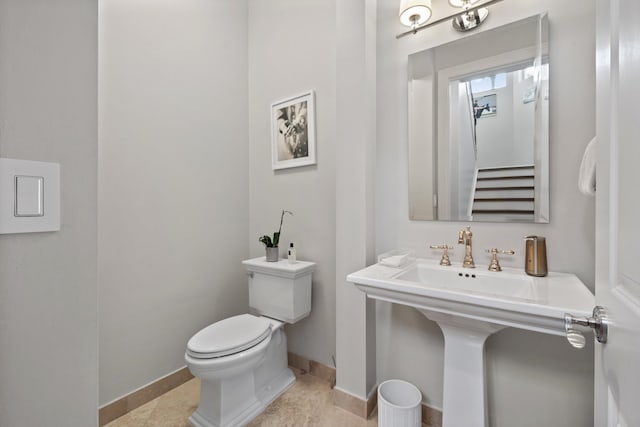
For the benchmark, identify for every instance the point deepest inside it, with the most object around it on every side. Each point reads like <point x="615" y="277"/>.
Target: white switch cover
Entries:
<point x="29" y="196"/>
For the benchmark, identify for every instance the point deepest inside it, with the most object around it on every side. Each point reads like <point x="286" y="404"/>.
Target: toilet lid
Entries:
<point x="228" y="336"/>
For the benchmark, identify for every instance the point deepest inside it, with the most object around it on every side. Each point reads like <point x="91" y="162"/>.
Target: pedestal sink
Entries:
<point x="469" y="305"/>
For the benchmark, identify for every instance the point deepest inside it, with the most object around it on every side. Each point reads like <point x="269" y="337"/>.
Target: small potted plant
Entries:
<point x="271" y="244"/>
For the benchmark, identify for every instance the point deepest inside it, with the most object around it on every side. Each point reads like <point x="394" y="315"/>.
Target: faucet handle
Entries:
<point x="445" y="254"/>
<point x="494" y="265"/>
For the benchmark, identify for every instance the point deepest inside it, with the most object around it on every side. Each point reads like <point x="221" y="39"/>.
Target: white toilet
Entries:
<point x="242" y="361"/>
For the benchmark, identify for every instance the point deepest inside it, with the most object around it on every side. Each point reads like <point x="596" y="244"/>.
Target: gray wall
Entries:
<point x="292" y="49"/>
<point x="48" y="320"/>
<point x="532" y="379"/>
<point x="174" y="119"/>
<point x="173" y="181"/>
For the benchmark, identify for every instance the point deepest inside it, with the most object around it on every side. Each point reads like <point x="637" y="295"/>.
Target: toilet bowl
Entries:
<point x="238" y="382"/>
<point x="242" y="360"/>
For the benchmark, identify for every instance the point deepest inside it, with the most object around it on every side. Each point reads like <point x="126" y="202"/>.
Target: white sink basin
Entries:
<point x="503" y="284"/>
<point x="469" y="305"/>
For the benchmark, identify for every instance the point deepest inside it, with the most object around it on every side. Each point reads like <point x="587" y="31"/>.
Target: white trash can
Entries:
<point x="399" y="404"/>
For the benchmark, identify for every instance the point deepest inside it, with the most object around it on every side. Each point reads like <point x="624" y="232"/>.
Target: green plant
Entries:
<point x="273" y="243"/>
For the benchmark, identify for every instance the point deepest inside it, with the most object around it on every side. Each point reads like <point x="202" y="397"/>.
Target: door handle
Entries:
<point x="598" y="322"/>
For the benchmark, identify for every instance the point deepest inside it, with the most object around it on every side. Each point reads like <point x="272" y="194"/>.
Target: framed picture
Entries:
<point x="293" y="132"/>
<point x="485" y="106"/>
<point x="529" y="95"/>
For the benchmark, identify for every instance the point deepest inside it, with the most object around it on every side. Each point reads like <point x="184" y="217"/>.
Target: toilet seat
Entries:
<point x="229" y="336"/>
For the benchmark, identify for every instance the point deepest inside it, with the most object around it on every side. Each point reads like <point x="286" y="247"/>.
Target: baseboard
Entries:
<point x="135" y="399"/>
<point x="431" y="417"/>
<point x="351" y="403"/>
<point x="312" y="367"/>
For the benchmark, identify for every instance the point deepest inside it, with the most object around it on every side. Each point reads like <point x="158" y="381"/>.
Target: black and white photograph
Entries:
<point x="485" y="106"/>
<point x="293" y="132"/>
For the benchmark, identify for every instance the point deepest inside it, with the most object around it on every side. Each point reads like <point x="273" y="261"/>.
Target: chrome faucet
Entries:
<point x="464" y="238"/>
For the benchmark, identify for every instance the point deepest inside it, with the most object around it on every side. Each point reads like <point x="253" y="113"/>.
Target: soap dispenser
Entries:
<point x="535" y="258"/>
<point x="292" y="254"/>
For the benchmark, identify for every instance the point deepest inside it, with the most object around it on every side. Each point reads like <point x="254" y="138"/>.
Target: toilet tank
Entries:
<point x="279" y="290"/>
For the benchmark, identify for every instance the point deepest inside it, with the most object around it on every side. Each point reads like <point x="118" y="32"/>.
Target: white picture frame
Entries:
<point x="293" y="131"/>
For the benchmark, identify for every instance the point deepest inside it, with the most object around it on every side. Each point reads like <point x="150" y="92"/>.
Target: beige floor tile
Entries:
<point x="307" y="403"/>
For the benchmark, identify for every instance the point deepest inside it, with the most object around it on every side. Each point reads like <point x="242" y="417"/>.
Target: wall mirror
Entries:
<point x="479" y="127"/>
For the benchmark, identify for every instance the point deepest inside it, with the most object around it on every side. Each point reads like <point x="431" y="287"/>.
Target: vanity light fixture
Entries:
<point x="414" y="13"/>
<point x="472" y="16"/>
<point x="469" y="19"/>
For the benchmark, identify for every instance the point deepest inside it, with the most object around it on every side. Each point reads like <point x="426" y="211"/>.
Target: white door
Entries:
<point x="617" y="363"/>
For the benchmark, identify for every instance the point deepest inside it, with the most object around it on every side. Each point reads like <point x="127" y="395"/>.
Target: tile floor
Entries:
<point x="309" y="402"/>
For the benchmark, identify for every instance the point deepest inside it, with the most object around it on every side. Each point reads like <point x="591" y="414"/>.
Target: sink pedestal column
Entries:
<point x="465" y="394"/>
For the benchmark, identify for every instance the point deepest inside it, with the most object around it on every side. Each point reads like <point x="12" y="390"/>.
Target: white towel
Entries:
<point x="587" y="178"/>
<point x="394" y="261"/>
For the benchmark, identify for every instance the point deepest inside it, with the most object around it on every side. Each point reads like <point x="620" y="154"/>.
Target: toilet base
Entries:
<point x="278" y="385"/>
<point x="235" y="395"/>
<point x="265" y="396"/>
<point x="197" y="420"/>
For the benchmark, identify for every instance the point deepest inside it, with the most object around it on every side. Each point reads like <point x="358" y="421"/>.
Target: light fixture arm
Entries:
<point x="446" y="18"/>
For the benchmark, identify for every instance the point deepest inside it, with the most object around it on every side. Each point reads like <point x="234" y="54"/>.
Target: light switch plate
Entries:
<point x="29" y="196"/>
